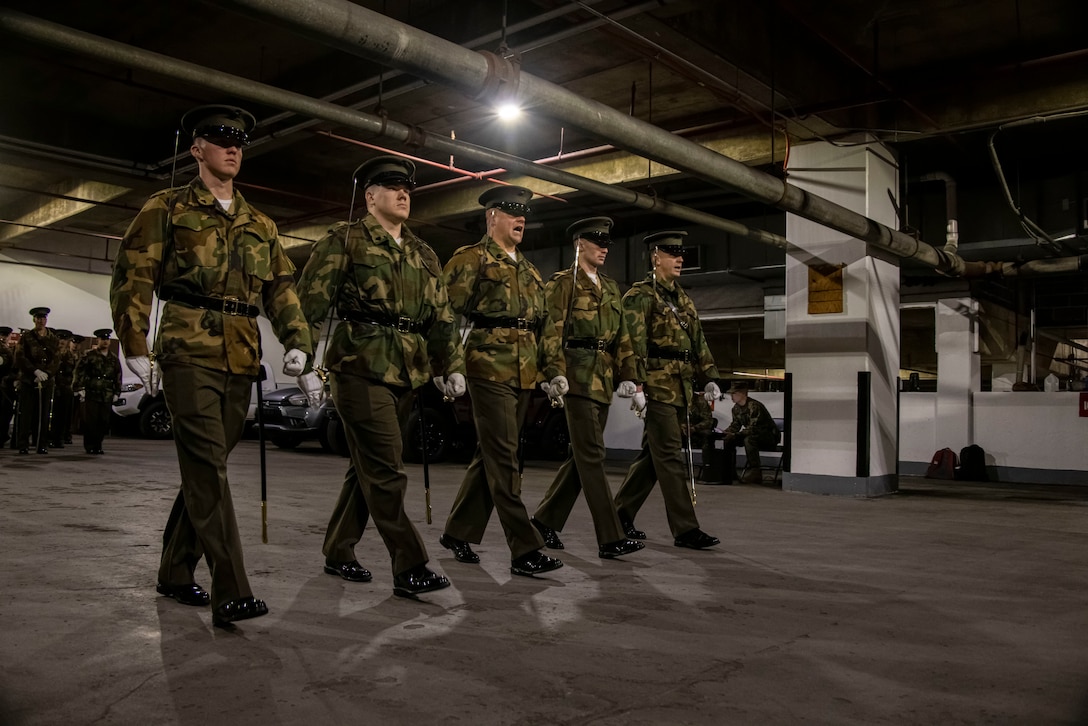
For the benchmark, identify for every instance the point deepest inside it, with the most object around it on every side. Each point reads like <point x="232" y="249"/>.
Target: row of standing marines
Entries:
<point x="212" y="257"/>
<point x="43" y="377"/>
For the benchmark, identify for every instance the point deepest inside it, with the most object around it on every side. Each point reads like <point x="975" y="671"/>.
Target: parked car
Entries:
<point x="288" y="419"/>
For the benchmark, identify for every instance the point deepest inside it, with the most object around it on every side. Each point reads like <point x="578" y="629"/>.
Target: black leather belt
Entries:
<point x="401" y="323"/>
<point x="486" y="323"/>
<point x="587" y="344"/>
<point x="225" y="305"/>
<point x="669" y="354"/>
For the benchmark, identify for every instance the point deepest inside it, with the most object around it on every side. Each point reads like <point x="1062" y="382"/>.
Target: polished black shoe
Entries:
<point x="98" y="451"/>
<point x="23" y="451"/>
<point x="348" y="570"/>
<point x="416" y="580"/>
<point x="460" y="549"/>
<point x="696" y="539"/>
<point x="43" y="450"/>
<point x="619" y="548"/>
<point x="629" y="530"/>
<point x="191" y="594"/>
<point x="243" y="608"/>
<point x="551" y="538"/>
<point x="534" y="563"/>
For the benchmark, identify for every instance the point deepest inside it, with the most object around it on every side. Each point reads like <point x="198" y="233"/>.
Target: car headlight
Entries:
<point x="130" y="387"/>
<point x="299" y="399"/>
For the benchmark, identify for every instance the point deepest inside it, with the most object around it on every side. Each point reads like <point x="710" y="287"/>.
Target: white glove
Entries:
<point x="638" y="404"/>
<point x="81" y="395"/>
<point x="314" y="388"/>
<point x="456" y="385"/>
<point x="712" y="393"/>
<point x="141" y="366"/>
<point x="294" y="362"/>
<point x="559" y="386"/>
<point x="41" y="375"/>
<point x="626" y="389"/>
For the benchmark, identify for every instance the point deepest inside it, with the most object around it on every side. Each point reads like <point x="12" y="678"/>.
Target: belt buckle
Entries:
<point x="230" y="305"/>
<point x="687" y="356"/>
<point x="523" y="324"/>
<point x="403" y="324"/>
<point x="601" y="345"/>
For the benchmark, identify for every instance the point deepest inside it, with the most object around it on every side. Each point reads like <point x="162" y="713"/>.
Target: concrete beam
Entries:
<point x="66" y="199"/>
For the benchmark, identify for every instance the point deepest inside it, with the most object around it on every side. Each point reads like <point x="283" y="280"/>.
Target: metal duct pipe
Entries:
<point x="354" y="29"/>
<point x="84" y="43"/>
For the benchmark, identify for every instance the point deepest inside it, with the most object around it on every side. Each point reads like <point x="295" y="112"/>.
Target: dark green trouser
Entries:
<point x="96" y="422"/>
<point x="492" y="480"/>
<point x="34" y="404"/>
<point x="375" y="483"/>
<point x="662" y="459"/>
<point x="208" y="409"/>
<point x="583" y="470"/>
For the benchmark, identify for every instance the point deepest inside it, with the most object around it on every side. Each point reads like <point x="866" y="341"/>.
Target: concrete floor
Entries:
<point x="944" y="604"/>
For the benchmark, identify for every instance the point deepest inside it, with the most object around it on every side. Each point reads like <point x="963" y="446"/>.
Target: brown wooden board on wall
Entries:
<point x="825" y="289"/>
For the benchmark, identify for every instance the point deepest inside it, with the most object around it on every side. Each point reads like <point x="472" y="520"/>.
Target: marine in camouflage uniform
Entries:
<point x="61" y="420"/>
<point x="36" y="362"/>
<point x="511" y="344"/>
<point x="586" y="306"/>
<point x="211" y="265"/>
<point x="98" y="379"/>
<point x="399" y="331"/>
<point x="671" y="355"/>
<point x="753" y="428"/>
<point x="7" y="385"/>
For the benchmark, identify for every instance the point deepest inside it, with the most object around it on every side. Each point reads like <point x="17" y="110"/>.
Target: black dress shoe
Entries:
<point x="416" y="580"/>
<point x="243" y="608"/>
<point x="460" y="549"/>
<point x="24" y="451"/>
<point x="551" y="539"/>
<point x="43" y="450"/>
<point x="629" y="530"/>
<point x="98" y="451"/>
<point x="191" y="594"/>
<point x="696" y="539"/>
<point x="618" y="548"/>
<point x="534" y="563"/>
<point x="348" y="570"/>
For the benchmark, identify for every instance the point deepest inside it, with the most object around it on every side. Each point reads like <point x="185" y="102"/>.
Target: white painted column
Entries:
<point x="825" y="352"/>
<point x="958" y="371"/>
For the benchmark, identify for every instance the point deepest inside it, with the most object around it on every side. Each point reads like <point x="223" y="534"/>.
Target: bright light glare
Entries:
<point x="508" y="111"/>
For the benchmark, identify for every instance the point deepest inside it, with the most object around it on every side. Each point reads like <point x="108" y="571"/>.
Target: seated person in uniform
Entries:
<point x="753" y="428"/>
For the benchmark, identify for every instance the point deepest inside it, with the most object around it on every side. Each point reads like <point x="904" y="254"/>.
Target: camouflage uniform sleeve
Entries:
<point x="636" y="307"/>
<point x="623" y="360"/>
<point x="134" y="274"/>
<point x="557" y="294"/>
<point x="116" y="364"/>
<point x="550" y="345"/>
<point x="459" y="277"/>
<point x="320" y="281"/>
<point x="705" y="370"/>
<point x="443" y="342"/>
<point x="281" y="302"/>
<point x="738" y="415"/>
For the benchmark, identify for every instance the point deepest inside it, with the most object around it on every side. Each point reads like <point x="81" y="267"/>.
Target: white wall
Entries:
<point x="1032" y="430"/>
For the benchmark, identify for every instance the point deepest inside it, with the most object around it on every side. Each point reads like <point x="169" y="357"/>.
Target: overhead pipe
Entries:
<point x="357" y="30"/>
<point x="952" y="229"/>
<point x="93" y="46"/>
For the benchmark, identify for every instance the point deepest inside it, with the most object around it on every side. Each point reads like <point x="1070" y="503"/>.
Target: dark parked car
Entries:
<point x="288" y="419"/>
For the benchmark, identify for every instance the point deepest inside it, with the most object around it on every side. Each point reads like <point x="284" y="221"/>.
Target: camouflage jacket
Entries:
<point x="65" y="369"/>
<point x="702" y="421"/>
<point x="595" y="314"/>
<point x="185" y="239"/>
<point x="361" y="270"/>
<point x="754" y="419"/>
<point x="99" y="375"/>
<point x="37" y="353"/>
<point x="656" y="328"/>
<point x="484" y="283"/>
<point x="7" y="365"/>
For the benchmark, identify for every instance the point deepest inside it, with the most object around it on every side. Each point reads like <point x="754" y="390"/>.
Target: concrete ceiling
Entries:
<point x="84" y="141"/>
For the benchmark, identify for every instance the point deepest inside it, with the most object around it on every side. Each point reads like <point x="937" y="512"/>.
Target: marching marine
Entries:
<point x="211" y="257"/>
<point x="398" y="332"/>
<point x="586" y="305"/>
<point x="61" y="420"/>
<point x="510" y="345"/>
<point x="671" y="357"/>
<point x="7" y="384"/>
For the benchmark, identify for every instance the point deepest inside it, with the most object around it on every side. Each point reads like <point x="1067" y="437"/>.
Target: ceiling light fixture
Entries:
<point x="508" y="111"/>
